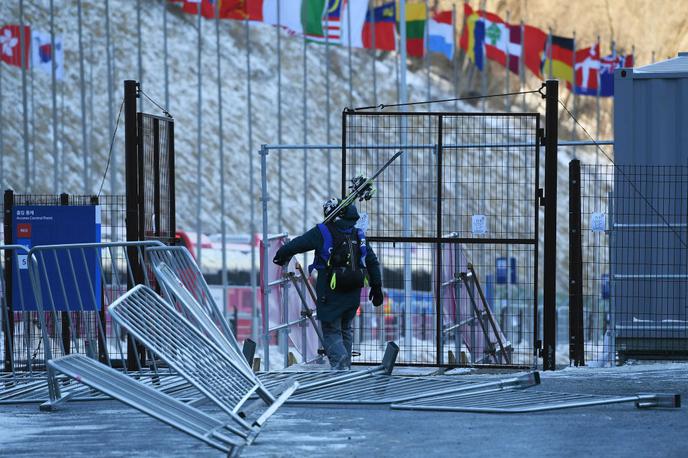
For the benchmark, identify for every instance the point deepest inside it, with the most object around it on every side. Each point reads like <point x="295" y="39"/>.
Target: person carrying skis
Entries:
<point x="345" y="264"/>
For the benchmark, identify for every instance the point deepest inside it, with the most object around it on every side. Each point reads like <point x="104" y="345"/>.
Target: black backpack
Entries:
<point x="344" y="270"/>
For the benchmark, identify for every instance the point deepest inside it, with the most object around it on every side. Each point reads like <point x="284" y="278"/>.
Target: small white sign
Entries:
<point x="479" y="224"/>
<point x="597" y="222"/>
<point x="23" y="260"/>
<point x="362" y="222"/>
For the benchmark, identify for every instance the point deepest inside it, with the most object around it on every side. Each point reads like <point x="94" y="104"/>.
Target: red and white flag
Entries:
<point x="588" y="70"/>
<point x="10" y="45"/>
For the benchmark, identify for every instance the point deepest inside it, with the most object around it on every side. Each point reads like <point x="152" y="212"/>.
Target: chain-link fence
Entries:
<point x="633" y="267"/>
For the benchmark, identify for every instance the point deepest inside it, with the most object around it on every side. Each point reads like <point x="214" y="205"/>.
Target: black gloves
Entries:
<point x="376" y="295"/>
<point x="281" y="260"/>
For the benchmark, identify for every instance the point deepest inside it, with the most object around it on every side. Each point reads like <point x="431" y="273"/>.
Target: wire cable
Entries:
<point x="165" y="112"/>
<point x="382" y="106"/>
<point x="112" y="144"/>
<point x="620" y="170"/>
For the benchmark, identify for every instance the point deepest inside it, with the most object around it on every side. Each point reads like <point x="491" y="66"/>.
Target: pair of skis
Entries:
<point x="362" y="188"/>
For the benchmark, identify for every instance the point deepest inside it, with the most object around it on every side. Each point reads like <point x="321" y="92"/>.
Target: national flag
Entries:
<point x="241" y="9"/>
<point x="608" y="66"/>
<point x="353" y="20"/>
<point x="473" y="37"/>
<point x="10" y="45"/>
<point x="587" y="70"/>
<point x="558" y="59"/>
<point x="496" y="37"/>
<point x="290" y="13"/>
<point x="514" y="48"/>
<point x="415" y="28"/>
<point x="332" y="20"/>
<point x="207" y="7"/>
<point x="533" y="41"/>
<point x="381" y="19"/>
<point x="441" y="34"/>
<point x="312" y="12"/>
<point x="42" y="53"/>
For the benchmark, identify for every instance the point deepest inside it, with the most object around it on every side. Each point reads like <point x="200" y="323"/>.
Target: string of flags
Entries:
<point x="485" y="36"/>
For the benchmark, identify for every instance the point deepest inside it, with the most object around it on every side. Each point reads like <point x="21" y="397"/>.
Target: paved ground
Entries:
<point x="108" y="428"/>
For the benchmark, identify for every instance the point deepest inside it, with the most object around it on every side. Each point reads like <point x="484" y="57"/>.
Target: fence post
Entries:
<point x="439" y="337"/>
<point x="549" y="334"/>
<point x="102" y="339"/>
<point x="576" y="338"/>
<point x="172" y="211"/>
<point x="265" y="289"/>
<point x="9" y="334"/>
<point x="64" y="200"/>
<point x="134" y="232"/>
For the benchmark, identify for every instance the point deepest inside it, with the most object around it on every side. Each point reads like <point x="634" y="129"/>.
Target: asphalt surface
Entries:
<point x="110" y="429"/>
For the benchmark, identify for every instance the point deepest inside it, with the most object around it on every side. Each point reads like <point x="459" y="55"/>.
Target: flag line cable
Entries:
<point x="382" y="106"/>
<point x="112" y="144"/>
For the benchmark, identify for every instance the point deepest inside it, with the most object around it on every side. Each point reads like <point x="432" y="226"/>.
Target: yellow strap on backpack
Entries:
<point x="333" y="281"/>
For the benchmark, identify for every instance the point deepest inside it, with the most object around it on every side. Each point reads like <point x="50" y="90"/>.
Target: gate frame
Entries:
<point x="439" y="240"/>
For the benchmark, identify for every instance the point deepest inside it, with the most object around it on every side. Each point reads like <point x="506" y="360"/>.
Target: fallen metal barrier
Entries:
<point x="381" y="389"/>
<point x="182" y="265"/>
<point x="219" y="376"/>
<point x="177" y="294"/>
<point x="185" y="418"/>
<point x="35" y="390"/>
<point x="531" y="401"/>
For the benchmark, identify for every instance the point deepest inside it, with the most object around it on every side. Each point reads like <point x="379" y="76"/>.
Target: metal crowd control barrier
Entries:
<point x="491" y="331"/>
<point x="379" y="389"/>
<point x="216" y="374"/>
<point x="72" y="285"/>
<point x="160" y="406"/>
<point x="177" y="294"/>
<point x="36" y="391"/>
<point x="531" y="401"/>
<point x="18" y="359"/>
<point x="183" y="265"/>
<point x="285" y="307"/>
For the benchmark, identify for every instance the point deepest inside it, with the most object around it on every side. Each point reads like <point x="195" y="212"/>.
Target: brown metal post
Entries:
<point x="133" y="196"/>
<point x="102" y="339"/>
<point x="576" y="338"/>
<point x="65" y="318"/>
<point x="157" y="231"/>
<point x="170" y="176"/>
<point x="549" y="333"/>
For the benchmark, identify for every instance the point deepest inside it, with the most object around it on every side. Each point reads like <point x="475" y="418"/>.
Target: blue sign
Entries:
<point x="502" y="271"/>
<point x="34" y="225"/>
<point x="605" y="290"/>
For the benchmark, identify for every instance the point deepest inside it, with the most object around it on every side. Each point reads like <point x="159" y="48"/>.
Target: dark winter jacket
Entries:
<point x="331" y="304"/>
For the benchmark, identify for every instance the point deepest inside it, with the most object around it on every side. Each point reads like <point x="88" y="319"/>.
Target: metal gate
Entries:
<point x="149" y="152"/>
<point x="455" y="226"/>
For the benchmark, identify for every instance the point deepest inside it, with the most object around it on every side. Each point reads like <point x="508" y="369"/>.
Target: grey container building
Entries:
<point x="648" y="214"/>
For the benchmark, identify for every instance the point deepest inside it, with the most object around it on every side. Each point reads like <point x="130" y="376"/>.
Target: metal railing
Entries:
<point x="72" y="285"/>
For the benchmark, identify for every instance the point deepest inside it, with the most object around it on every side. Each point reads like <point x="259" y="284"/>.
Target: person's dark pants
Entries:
<point x="338" y="336"/>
